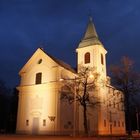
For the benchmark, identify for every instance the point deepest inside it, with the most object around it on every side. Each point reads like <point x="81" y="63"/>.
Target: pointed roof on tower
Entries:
<point x="91" y="31"/>
<point x="90" y="36"/>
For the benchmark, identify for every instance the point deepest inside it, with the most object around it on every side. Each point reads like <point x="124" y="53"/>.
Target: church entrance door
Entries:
<point x="35" y="126"/>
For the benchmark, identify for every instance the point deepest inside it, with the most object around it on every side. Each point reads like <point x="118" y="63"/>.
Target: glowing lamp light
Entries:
<point x="91" y="76"/>
<point x="61" y="79"/>
<point x="52" y="118"/>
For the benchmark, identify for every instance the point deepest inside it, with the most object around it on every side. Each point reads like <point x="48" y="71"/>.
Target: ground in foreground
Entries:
<point x="29" y="137"/>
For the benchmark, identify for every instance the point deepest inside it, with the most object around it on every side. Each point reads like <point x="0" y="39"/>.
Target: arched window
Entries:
<point x="87" y="58"/>
<point x="38" y="78"/>
<point x="102" y="59"/>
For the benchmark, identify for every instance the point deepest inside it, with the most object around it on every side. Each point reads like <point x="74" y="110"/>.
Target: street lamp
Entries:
<point x="137" y="118"/>
<point x="110" y="120"/>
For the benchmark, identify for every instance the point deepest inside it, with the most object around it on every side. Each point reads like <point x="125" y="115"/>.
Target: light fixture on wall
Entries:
<point x="52" y="119"/>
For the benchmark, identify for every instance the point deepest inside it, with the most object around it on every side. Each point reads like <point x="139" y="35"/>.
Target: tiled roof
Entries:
<point x="60" y="62"/>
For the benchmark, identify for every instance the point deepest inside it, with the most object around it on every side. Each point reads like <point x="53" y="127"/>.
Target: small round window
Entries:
<point x="39" y="61"/>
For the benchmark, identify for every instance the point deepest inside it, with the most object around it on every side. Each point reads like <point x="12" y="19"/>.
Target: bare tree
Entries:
<point x="127" y="80"/>
<point x="83" y="86"/>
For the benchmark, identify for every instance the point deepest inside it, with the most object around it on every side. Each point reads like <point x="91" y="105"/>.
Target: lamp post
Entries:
<point x="110" y="120"/>
<point x="74" y="131"/>
<point x="137" y="118"/>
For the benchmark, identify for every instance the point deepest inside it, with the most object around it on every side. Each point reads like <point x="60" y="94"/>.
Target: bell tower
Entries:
<point x="91" y="52"/>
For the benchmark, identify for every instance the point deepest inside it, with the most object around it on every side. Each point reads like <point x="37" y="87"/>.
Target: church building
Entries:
<point x="40" y="109"/>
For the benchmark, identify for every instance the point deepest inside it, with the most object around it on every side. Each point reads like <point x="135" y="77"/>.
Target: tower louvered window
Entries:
<point x="102" y="59"/>
<point x="87" y="58"/>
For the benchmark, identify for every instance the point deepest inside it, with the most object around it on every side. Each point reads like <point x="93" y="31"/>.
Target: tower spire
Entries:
<point x="91" y="31"/>
<point x="90" y="36"/>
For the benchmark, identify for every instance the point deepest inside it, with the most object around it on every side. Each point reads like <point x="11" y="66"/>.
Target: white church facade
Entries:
<point x="40" y="109"/>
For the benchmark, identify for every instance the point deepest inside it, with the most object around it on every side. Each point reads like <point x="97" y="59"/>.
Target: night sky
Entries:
<point x="59" y="25"/>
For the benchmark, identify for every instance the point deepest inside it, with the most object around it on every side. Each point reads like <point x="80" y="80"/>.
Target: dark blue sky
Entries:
<point x="59" y="25"/>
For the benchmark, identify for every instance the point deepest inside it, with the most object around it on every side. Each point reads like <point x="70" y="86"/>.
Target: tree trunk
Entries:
<point x="127" y="112"/>
<point x="85" y="109"/>
<point x="85" y="120"/>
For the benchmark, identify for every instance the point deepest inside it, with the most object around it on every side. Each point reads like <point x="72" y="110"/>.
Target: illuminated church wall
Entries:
<point x="103" y="119"/>
<point x="39" y="103"/>
<point x="112" y="117"/>
<point x="95" y="58"/>
<point x="40" y="110"/>
<point x="46" y="67"/>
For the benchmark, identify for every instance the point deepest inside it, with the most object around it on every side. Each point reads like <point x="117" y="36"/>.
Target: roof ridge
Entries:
<point x="60" y="62"/>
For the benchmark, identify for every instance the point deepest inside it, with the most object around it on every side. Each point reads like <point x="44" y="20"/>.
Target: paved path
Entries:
<point x="25" y="137"/>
